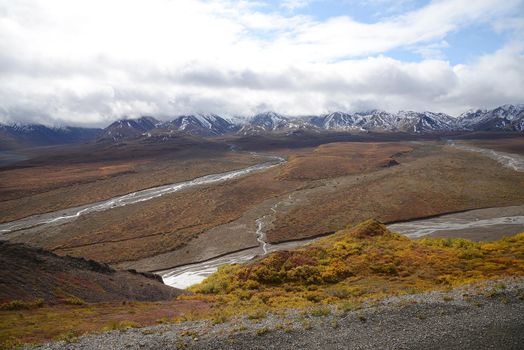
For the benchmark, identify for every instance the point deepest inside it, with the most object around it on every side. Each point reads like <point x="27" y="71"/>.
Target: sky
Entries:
<point x="87" y="63"/>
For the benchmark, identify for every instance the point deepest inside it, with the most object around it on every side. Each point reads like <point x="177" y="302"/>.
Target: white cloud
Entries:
<point x="90" y="62"/>
<point x="295" y="4"/>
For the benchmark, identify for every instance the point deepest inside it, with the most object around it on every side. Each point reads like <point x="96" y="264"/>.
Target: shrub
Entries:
<point x="74" y="301"/>
<point x="387" y="269"/>
<point x="304" y="274"/>
<point x="266" y="274"/>
<point x="68" y="337"/>
<point x="262" y="331"/>
<point x="10" y="343"/>
<point x="257" y="314"/>
<point x="219" y="319"/>
<point x="321" y="311"/>
<point x="348" y="307"/>
<point x="22" y="305"/>
<point x="116" y="325"/>
<point x="470" y="253"/>
<point x="335" y="272"/>
<point x="251" y="284"/>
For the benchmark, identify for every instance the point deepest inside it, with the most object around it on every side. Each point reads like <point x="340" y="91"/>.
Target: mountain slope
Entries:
<point x="339" y="121"/>
<point x="381" y="121"/>
<point x="128" y="128"/>
<point x="200" y="125"/>
<point x="18" y="135"/>
<point x="507" y="117"/>
<point x="30" y="273"/>
<point x="271" y="122"/>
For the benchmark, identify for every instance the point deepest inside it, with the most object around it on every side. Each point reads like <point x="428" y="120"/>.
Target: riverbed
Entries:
<point x="479" y="224"/>
<point x="61" y="216"/>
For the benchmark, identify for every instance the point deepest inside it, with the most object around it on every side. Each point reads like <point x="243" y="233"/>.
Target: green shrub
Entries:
<point x="120" y="325"/>
<point x="387" y="269"/>
<point x="22" y="305"/>
<point x="321" y="311"/>
<point x="68" y="337"/>
<point x="262" y="331"/>
<point x="348" y="307"/>
<point x="75" y="301"/>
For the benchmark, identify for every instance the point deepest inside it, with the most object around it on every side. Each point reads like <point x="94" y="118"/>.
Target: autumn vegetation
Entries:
<point x="359" y="263"/>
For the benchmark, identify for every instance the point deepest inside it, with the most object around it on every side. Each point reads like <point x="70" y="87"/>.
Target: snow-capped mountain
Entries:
<point x="200" y="125"/>
<point x="424" y="122"/>
<point x="128" y="128"/>
<point x="270" y="121"/>
<point x="264" y="122"/>
<point x="377" y="120"/>
<point x="503" y="118"/>
<point x="339" y="121"/>
<point x="40" y="135"/>
<point x="507" y="117"/>
<point x="273" y="122"/>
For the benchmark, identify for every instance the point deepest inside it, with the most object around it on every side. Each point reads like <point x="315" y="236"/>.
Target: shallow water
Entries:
<point x="450" y="223"/>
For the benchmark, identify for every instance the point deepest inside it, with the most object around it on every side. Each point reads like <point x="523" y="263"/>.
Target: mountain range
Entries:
<point x="503" y="118"/>
<point x="31" y="135"/>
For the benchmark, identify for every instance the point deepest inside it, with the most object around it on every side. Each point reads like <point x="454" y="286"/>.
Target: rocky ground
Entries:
<point x="482" y="316"/>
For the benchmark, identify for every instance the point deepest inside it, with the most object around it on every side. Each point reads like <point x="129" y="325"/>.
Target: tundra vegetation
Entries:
<point x="359" y="264"/>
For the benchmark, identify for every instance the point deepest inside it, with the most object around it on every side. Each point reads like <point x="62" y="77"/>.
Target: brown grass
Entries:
<point x="39" y="189"/>
<point x="340" y="159"/>
<point x="57" y="322"/>
<point x="168" y="223"/>
<point x="513" y="145"/>
<point x="431" y="180"/>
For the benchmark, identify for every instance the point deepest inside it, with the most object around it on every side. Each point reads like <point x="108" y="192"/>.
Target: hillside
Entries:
<point x="323" y="293"/>
<point x="362" y="262"/>
<point x="30" y="274"/>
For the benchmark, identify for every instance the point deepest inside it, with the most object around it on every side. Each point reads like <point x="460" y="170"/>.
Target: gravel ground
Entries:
<point x="483" y="316"/>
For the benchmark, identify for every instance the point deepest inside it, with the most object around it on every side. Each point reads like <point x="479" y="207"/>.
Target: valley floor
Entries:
<point x="319" y="190"/>
<point x="482" y="316"/>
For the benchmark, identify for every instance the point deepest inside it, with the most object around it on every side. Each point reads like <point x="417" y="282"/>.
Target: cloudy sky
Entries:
<point x="89" y="62"/>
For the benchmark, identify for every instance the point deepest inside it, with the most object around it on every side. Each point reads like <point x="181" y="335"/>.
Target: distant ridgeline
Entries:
<point x="504" y="118"/>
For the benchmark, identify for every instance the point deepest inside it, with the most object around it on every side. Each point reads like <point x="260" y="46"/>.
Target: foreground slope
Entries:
<point x="481" y="317"/>
<point x="363" y="261"/>
<point x="30" y="274"/>
<point x="362" y="287"/>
